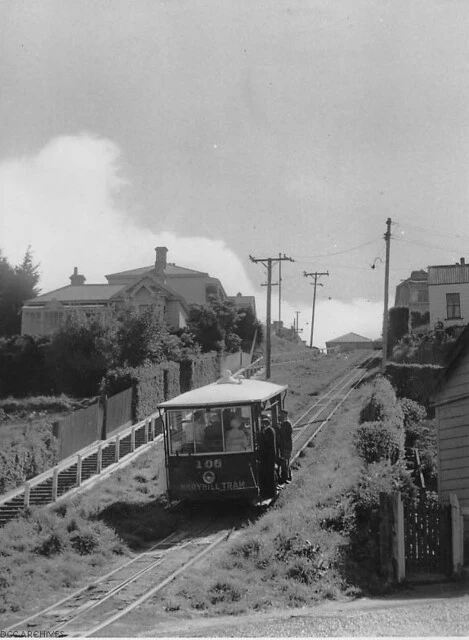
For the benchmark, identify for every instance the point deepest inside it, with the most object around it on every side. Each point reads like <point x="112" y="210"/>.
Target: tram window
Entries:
<point x="186" y="431"/>
<point x="175" y="430"/>
<point x="237" y="429"/>
<point x="210" y="431"/>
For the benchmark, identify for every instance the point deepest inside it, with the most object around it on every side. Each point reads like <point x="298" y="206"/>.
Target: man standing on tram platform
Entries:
<point x="268" y="474"/>
<point x="285" y="447"/>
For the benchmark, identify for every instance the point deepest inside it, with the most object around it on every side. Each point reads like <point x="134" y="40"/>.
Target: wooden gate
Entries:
<point x="427" y="537"/>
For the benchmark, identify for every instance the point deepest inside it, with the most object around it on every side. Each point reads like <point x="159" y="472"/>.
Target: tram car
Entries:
<point x="220" y="440"/>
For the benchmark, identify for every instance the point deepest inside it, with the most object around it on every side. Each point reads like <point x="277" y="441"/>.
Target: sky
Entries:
<point x="228" y="129"/>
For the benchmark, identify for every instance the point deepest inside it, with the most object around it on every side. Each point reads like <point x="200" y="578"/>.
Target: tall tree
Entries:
<point x="221" y="326"/>
<point x="17" y="284"/>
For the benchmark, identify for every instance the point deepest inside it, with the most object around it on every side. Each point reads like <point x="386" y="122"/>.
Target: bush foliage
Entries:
<point x="30" y="454"/>
<point x="414" y="381"/>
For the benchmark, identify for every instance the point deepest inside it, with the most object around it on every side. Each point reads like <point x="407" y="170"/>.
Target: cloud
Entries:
<point x="63" y="202"/>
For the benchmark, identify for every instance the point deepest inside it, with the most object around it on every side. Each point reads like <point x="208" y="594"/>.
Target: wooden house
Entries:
<point x="451" y="402"/>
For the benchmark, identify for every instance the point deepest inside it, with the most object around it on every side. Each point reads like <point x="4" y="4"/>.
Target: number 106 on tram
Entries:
<point x="220" y="440"/>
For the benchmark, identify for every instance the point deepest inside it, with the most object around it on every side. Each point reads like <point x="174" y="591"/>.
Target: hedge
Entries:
<point x="153" y="384"/>
<point x="383" y="405"/>
<point x="206" y="369"/>
<point x="414" y="381"/>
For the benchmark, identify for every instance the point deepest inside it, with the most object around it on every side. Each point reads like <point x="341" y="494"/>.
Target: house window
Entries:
<point x="453" y="306"/>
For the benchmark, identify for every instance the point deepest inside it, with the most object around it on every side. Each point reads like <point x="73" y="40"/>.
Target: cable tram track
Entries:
<point x="335" y="396"/>
<point x="96" y="606"/>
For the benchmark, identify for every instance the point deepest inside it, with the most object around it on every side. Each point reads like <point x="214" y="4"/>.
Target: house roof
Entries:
<point x="170" y="270"/>
<point x="448" y="274"/>
<point x="349" y="337"/>
<point x="78" y="293"/>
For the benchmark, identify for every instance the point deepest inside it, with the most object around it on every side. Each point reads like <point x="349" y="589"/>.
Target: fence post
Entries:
<point x="79" y="460"/>
<point x="27" y="493"/>
<point x="145" y="433"/>
<point x="104" y="423"/>
<point x="99" y="459"/>
<point x="391" y="537"/>
<point x="132" y="440"/>
<point x="117" y="452"/>
<point x="152" y="428"/>
<point x="456" y="534"/>
<point x="55" y="483"/>
<point x="398" y="536"/>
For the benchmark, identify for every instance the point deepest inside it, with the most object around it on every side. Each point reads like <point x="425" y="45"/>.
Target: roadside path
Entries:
<point x="427" y="610"/>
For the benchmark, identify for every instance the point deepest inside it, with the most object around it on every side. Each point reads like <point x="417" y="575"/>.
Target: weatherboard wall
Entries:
<point x="452" y="417"/>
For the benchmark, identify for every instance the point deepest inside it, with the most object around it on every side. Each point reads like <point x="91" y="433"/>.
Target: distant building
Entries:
<point x="413" y="292"/>
<point x="244" y="302"/>
<point x="283" y="332"/>
<point x="166" y="288"/>
<point x="448" y="292"/>
<point x="348" y="342"/>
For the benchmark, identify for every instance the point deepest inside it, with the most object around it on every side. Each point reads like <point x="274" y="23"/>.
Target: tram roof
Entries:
<point x="220" y="393"/>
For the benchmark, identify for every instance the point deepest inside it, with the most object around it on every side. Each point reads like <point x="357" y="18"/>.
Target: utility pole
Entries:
<point x="279" y="290"/>
<point x="296" y="326"/>
<point x="315" y="275"/>
<point x="267" y="262"/>
<point x="387" y="237"/>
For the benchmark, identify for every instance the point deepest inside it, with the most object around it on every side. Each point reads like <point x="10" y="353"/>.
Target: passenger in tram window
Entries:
<point x="237" y="438"/>
<point x="213" y="438"/>
<point x="285" y="447"/>
<point x="193" y="432"/>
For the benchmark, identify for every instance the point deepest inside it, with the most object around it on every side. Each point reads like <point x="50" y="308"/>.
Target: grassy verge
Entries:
<point x="65" y="546"/>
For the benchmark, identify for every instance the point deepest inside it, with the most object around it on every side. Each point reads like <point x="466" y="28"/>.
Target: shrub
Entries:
<point x="383" y="405"/>
<point x="23" y="368"/>
<point x="225" y="592"/>
<point x="84" y="542"/>
<point x="23" y="459"/>
<point x="413" y="412"/>
<point x="376" y="441"/>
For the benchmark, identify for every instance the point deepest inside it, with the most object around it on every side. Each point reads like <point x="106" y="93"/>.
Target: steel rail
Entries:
<point x="151" y="592"/>
<point x="326" y="420"/>
<point x="76" y="594"/>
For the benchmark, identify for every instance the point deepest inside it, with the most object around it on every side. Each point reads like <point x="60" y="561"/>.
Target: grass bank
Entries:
<point x="49" y="551"/>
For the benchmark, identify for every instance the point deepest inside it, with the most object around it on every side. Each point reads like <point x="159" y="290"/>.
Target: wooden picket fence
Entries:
<point x="420" y="537"/>
<point x="427" y="537"/>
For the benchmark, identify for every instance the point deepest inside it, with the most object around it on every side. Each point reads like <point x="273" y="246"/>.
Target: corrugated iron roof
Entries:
<point x="448" y="274"/>
<point x="79" y="293"/>
<point x="349" y="337"/>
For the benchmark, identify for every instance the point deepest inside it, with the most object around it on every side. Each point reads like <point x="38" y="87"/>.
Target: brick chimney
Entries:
<point x="160" y="262"/>
<point x="76" y="278"/>
<point x="463" y="261"/>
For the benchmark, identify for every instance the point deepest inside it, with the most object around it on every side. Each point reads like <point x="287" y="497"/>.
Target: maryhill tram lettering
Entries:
<point x="222" y="486"/>
<point x="216" y="440"/>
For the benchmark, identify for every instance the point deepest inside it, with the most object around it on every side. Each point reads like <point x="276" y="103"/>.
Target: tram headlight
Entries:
<point x="208" y="477"/>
